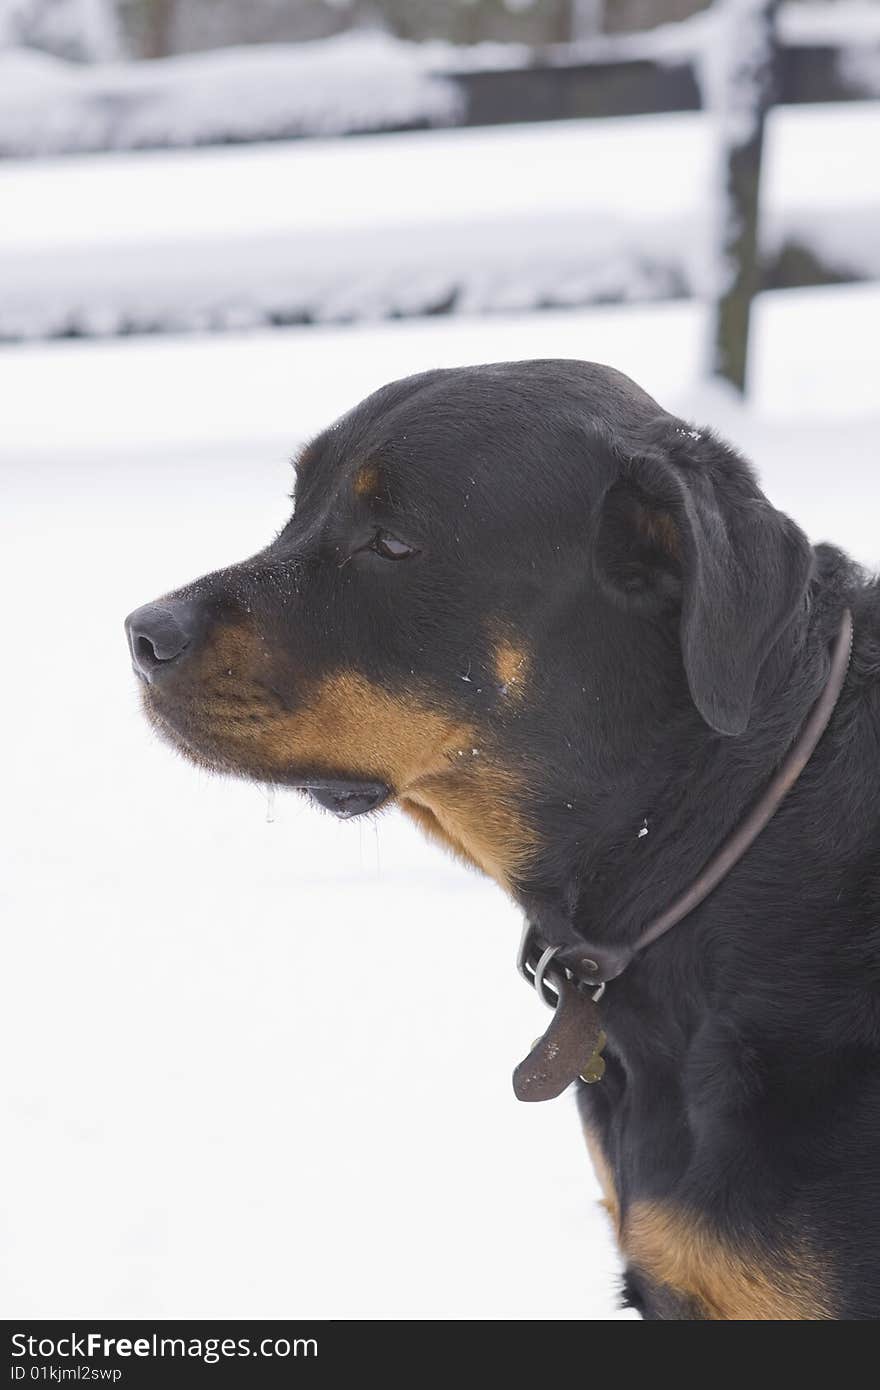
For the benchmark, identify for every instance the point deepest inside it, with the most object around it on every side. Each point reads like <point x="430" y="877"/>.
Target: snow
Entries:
<point x="82" y="30"/>
<point x="283" y="386"/>
<point x="713" y="35"/>
<point x="489" y="220"/>
<point x="731" y="68"/>
<point x="260" y="1063"/>
<point x="847" y="22"/>
<point x="359" y="80"/>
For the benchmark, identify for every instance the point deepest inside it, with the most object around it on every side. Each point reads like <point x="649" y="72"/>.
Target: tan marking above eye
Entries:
<point x="511" y="668"/>
<point x="366" y="480"/>
<point x="677" y="1249"/>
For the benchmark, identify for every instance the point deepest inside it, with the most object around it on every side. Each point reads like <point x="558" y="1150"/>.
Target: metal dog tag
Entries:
<point x="569" y="1045"/>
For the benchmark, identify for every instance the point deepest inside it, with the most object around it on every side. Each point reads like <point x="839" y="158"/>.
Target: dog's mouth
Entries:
<point x="346" y="798"/>
<point x="184" y="726"/>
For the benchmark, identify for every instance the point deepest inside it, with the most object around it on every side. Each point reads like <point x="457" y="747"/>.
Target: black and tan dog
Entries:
<point x="544" y="617"/>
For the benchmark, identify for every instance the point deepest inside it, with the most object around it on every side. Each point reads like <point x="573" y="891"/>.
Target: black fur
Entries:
<point x="678" y="630"/>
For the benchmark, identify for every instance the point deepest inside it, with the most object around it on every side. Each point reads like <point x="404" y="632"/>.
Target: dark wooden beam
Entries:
<point x="560" y="91"/>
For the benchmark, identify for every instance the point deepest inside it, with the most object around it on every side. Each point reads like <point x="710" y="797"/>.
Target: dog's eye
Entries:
<point x="390" y="548"/>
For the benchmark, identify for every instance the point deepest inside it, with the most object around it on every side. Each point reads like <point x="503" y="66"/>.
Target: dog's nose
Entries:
<point x="159" y="634"/>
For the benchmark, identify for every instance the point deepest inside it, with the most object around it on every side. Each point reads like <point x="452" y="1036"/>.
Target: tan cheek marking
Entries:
<point x="511" y="668"/>
<point x="366" y="480"/>
<point x="434" y="765"/>
<point x="675" y="1248"/>
<point x="446" y="779"/>
<point x="448" y="783"/>
<point x="347" y="724"/>
<point x="471" y="808"/>
<point x="431" y="826"/>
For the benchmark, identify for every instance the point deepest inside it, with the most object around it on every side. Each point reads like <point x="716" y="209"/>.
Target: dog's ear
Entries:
<point x="686" y="526"/>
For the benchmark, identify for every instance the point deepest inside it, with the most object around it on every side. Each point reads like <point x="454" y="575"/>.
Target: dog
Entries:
<point x="566" y="633"/>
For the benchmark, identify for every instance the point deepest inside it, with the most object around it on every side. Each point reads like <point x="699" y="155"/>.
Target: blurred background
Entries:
<point x="222" y="222"/>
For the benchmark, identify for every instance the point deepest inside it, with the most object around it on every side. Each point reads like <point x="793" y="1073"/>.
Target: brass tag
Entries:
<point x="569" y="1047"/>
<point x="595" y="1068"/>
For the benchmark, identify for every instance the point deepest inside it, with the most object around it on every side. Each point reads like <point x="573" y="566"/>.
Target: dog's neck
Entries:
<point x="666" y="816"/>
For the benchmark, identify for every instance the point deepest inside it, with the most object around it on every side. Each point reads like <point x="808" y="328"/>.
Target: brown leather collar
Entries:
<point x="575" y="990"/>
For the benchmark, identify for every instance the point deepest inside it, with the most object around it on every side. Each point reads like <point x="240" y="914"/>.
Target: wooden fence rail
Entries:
<point x="639" y="87"/>
<point x="627" y="78"/>
<point x="777" y="75"/>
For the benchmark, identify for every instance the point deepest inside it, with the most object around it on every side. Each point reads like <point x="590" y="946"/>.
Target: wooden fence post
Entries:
<point x="741" y="87"/>
<point x="157" y="26"/>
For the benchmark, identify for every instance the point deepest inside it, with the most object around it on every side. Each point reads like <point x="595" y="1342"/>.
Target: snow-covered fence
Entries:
<point x="524" y="217"/>
<point x="646" y="75"/>
<point x="363" y="82"/>
<point x="735" y="61"/>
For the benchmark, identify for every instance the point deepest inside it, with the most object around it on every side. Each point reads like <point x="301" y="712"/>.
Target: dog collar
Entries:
<point x="573" y="1041"/>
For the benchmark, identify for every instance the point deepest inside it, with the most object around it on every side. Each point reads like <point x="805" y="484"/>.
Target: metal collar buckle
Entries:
<point x="534" y="961"/>
<point x="570" y="1046"/>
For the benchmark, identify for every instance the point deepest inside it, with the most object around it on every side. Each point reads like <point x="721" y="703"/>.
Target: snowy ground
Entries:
<point x="202" y="1114"/>
<point x="394" y="225"/>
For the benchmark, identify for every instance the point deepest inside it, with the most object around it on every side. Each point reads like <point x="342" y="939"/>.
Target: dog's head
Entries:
<point x="498" y="587"/>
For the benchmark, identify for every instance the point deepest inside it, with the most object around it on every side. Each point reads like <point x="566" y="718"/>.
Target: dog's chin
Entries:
<point x="347" y="797"/>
